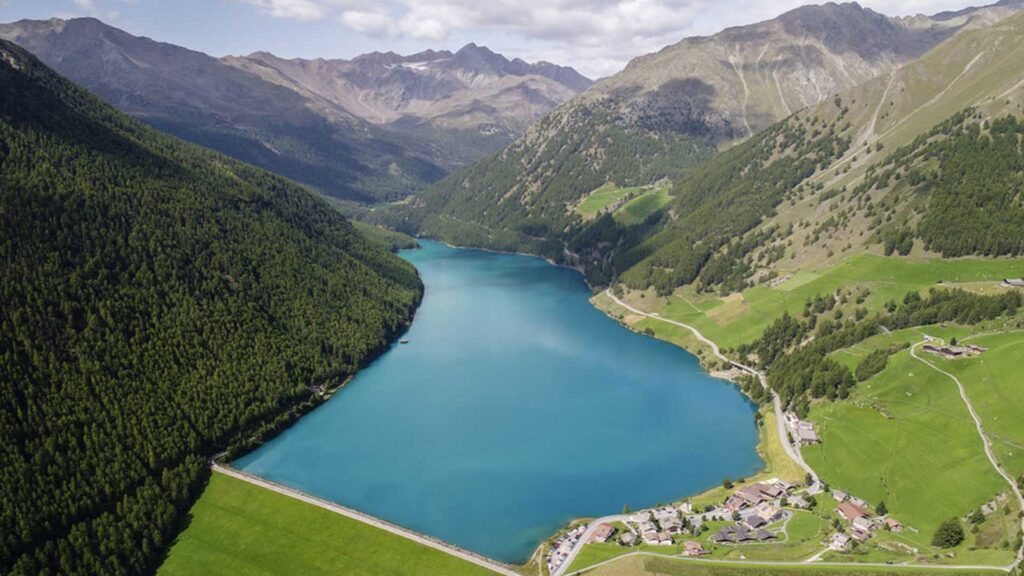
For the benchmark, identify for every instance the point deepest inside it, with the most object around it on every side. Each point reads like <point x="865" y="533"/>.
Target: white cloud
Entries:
<point x="294" y="9"/>
<point x="596" y="36"/>
<point x="369" y="22"/>
<point x="84" y="5"/>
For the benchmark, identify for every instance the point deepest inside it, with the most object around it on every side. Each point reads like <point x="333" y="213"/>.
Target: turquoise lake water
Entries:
<point x="515" y="406"/>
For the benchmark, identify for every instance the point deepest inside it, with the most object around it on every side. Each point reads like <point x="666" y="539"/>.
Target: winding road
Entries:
<point x="780" y="422"/>
<point x="984" y="441"/>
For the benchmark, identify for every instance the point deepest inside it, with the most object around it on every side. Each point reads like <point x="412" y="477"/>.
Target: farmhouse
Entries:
<point x="840" y="496"/>
<point x="603" y="533"/>
<point x="1013" y="282"/>
<point x="839" y="541"/>
<point x="628" y="538"/>
<point x="893" y="525"/>
<point x="863" y="523"/>
<point x="850" y="511"/>
<point x="693" y="549"/>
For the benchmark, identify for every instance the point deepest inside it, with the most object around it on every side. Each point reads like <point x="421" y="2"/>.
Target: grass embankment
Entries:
<point x="647" y="565"/>
<point x="238" y="528"/>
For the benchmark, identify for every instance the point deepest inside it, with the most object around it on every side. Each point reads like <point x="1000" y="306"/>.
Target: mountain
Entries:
<point x="379" y="127"/>
<point x="668" y="112"/>
<point x="162" y="303"/>
<point x="467" y="103"/>
<point x="924" y="160"/>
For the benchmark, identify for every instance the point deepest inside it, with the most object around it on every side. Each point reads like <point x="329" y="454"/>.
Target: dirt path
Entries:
<point x="466" y="555"/>
<point x="984" y="441"/>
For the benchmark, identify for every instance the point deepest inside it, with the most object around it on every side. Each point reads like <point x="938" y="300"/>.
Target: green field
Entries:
<point x="239" y="528"/>
<point x="634" y="211"/>
<point x="995" y="385"/>
<point x="905" y="437"/>
<point x="651" y="565"/>
<point x="741" y="319"/>
<point x="603" y="197"/>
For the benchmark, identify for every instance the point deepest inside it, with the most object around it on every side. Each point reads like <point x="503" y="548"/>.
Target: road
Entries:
<point x="587" y="535"/>
<point x="466" y="555"/>
<point x="947" y="569"/>
<point x="984" y="441"/>
<point x="780" y="422"/>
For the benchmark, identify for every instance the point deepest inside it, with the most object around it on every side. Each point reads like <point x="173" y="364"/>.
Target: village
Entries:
<point x="756" y="513"/>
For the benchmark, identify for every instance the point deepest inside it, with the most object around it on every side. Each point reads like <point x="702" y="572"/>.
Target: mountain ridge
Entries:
<point x="249" y="109"/>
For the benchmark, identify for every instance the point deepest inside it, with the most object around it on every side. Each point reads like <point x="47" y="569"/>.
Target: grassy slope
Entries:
<point x="642" y="566"/>
<point x="636" y="210"/>
<point x="238" y="528"/>
<point x="741" y="318"/>
<point x="603" y="197"/>
<point x="905" y="437"/>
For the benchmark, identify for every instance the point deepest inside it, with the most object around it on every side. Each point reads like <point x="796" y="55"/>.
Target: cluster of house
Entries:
<point x="1013" y="282"/>
<point x="862" y="524"/>
<point x="801" y="430"/>
<point x="740" y="534"/>
<point x="561" y="548"/>
<point x="954" y="351"/>
<point x="658" y="526"/>
<point x="756" y="494"/>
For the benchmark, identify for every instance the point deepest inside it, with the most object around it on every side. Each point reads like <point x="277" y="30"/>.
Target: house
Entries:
<point x="1013" y="282"/>
<point x="850" y="511"/>
<point x="840" y="496"/>
<point x="860" y="535"/>
<point x="647" y="527"/>
<point x="805" y="434"/>
<point x="857" y="501"/>
<point x="768" y="512"/>
<point x="628" y="538"/>
<point x="863" y="523"/>
<point x="976" y="349"/>
<point x="771" y="490"/>
<point x="893" y="525"/>
<point x="603" y="533"/>
<point x="642" y="516"/>
<point x="686" y="508"/>
<point x="673" y="526"/>
<point x="735" y="504"/>
<point x="755" y="521"/>
<point x="664" y="539"/>
<point x="693" y="549"/>
<point x="752" y="494"/>
<point x="786" y="487"/>
<point x="739" y="534"/>
<point x="839" y="541"/>
<point x="764" y="536"/>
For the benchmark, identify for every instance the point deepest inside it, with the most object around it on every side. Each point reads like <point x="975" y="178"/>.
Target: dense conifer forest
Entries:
<point x="161" y="303"/>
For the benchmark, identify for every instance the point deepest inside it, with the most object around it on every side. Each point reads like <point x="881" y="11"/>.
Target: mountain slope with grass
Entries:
<point x="662" y="116"/>
<point x="162" y="303"/>
<point x="925" y="161"/>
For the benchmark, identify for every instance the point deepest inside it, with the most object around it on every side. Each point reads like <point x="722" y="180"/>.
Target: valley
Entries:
<point x="481" y="371"/>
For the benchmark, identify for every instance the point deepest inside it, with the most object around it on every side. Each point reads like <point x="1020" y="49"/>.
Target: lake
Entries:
<point x="515" y="406"/>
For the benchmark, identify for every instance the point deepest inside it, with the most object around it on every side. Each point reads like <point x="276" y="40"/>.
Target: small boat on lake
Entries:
<point x="403" y="341"/>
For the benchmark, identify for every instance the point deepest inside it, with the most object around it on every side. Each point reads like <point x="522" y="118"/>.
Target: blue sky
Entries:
<point x="597" y="37"/>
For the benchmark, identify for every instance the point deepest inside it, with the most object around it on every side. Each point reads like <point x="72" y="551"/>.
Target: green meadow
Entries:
<point x="639" y="208"/>
<point x="905" y="437"/>
<point x="603" y="197"/>
<point x="650" y="565"/>
<point x="742" y="318"/>
<point x="239" y="528"/>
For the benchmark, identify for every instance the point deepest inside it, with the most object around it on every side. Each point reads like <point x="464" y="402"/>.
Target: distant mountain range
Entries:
<point x="378" y="127"/>
<point x="667" y="113"/>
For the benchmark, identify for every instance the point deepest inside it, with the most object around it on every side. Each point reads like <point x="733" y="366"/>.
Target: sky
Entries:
<point x="597" y="37"/>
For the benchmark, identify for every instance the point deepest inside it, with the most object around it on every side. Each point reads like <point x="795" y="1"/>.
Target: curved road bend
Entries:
<point x="780" y="421"/>
<point x="367" y="519"/>
<point x="984" y="441"/>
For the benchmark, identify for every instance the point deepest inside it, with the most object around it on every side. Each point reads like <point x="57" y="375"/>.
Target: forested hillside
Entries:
<point x="160" y="303"/>
<point x="666" y="113"/>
